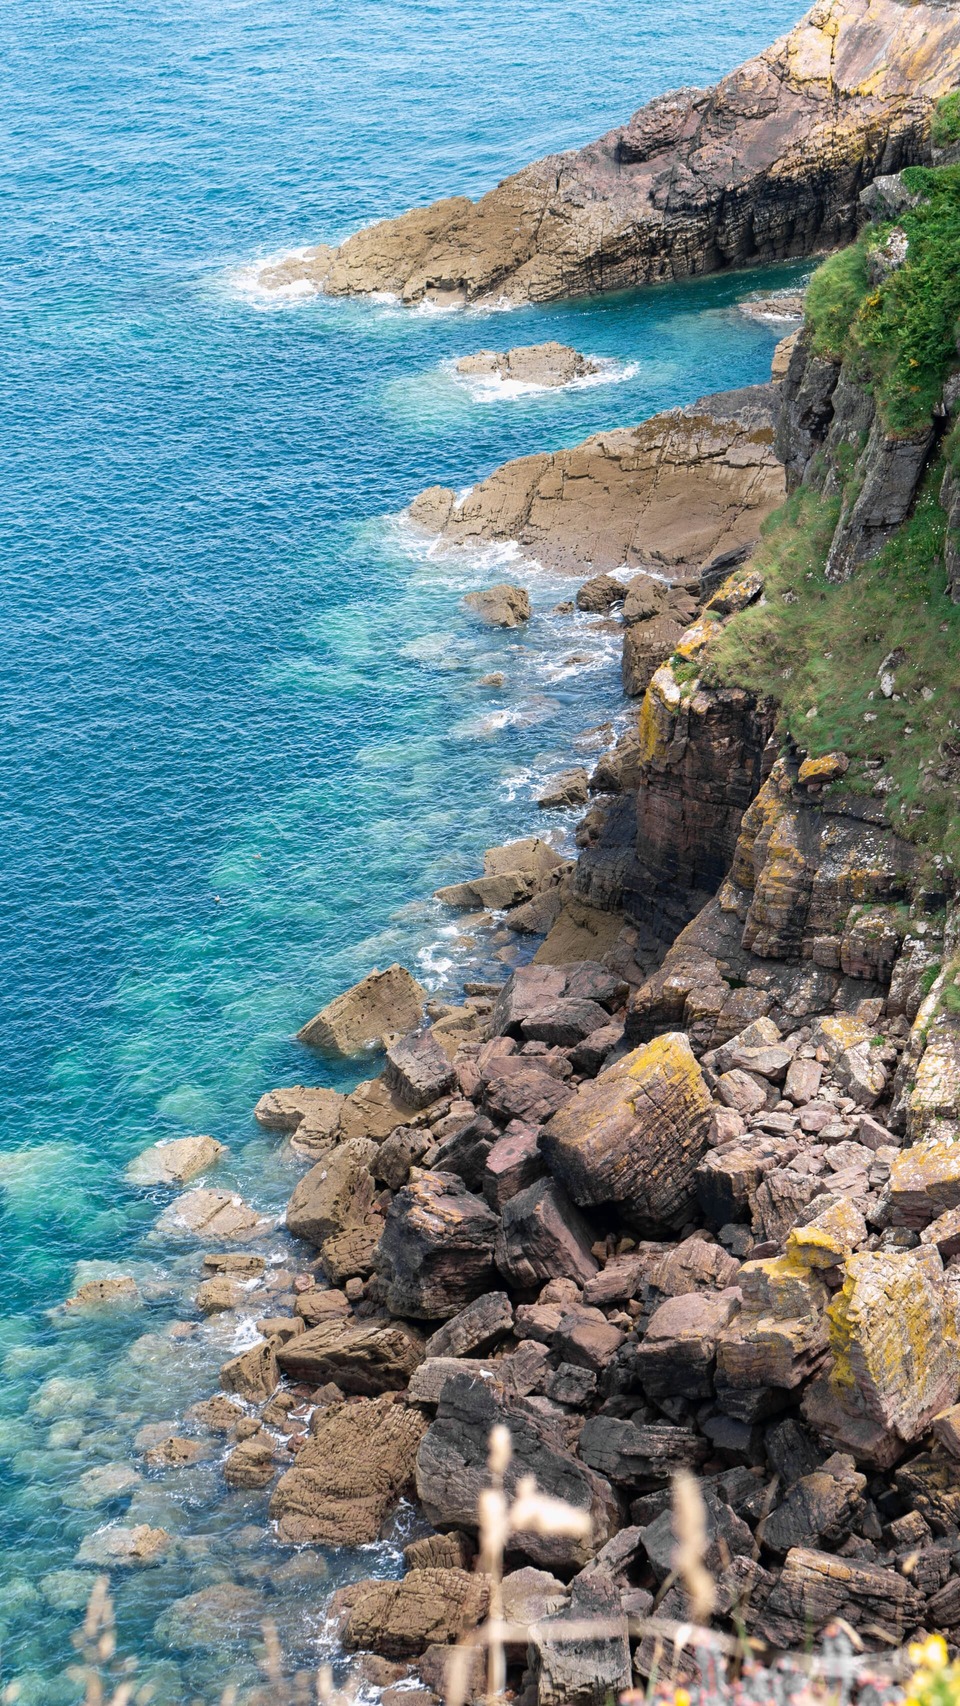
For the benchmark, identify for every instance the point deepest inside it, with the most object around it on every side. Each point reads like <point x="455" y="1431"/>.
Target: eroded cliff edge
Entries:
<point x="767" y="164"/>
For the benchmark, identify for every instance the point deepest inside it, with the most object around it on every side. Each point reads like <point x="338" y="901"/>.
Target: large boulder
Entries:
<point x="501" y="606"/>
<point x="338" y="1192"/>
<point x="634" y="1135"/>
<point x="381" y="1003"/>
<point x="543" y="1237"/>
<point x="436" y="1253"/>
<point x="576" y="1668"/>
<point x="400" y="1619"/>
<point x="418" y="1070"/>
<point x="359" y="1460"/>
<point x="367" y="1357"/>
<point x="924" y="1182"/>
<point x="545" y="365"/>
<point x="312" y="1113"/>
<point x="452" y="1468"/>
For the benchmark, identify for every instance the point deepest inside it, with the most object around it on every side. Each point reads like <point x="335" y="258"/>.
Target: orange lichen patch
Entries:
<point x="894" y="1340"/>
<point x="832" y="1235"/>
<point x="815" y="772"/>
<point x="782" y="1287"/>
<point x="658" y="714"/>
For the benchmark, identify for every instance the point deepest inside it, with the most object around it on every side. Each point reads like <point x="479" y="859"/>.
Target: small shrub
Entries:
<point x="945" y="124"/>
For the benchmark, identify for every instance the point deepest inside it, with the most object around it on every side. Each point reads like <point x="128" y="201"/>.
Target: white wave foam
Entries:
<point x="494" y="388"/>
<point x="246" y="281"/>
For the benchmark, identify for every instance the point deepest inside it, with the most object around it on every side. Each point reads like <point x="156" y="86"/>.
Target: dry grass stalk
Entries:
<point x="690" y="1528"/>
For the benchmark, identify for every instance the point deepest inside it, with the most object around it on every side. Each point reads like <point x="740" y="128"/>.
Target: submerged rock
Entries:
<point x="550" y="364"/>
<point x="176" y="1162"/>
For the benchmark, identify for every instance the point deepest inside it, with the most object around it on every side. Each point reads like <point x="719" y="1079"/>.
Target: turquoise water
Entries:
<point x="245" y="729"/>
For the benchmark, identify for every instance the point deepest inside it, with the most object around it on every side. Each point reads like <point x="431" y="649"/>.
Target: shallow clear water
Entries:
<point x="245" y="733"/>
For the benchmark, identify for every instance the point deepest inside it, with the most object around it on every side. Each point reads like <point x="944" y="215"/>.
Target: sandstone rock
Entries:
<point x="436" y="1253"/>
<point x="924" y="1182"/>
<point x="632" y="1452"/>
<point x="253" y="1374"/>
<point x="219" y="1414"/>
<point x="251" y="1464"/>
<point x="418" y="1070"/>
<point x="116" y="1547"/>
<point x="382" y="1002"/>
<point x="502" y="606"/>
<point x="313" y="1114"/>
<point x="221" y="1292"/>
<point x="352" y="1253"/>
<point x="777" y="1340"/>
<point x="101" y="1485"/>
<point x="481" y="1324"/>
<point x="818" y="1507"/>
<point x="817" y="1586"/>
<point x="695" y="481"/>
<point x="175" y="1162"/>
<point x="677" y="1353"/>
<point x="320" y="1304"/>
<point x="543" y="1237"/>
<point x="523" y="1091"/>
<point x="827" y="1237"/>
<point x="895" y="1351"/>
<point x="239" y="1264"/>
<point x="336" y="1193"/>
<point x="570" y="788"/>
<point x="402" y="1150"/>
<point x="812" y="108"/>
<point x="512" y="1163"/>
<point x="452" y="1469"/>
<point x="440" y="1552"/>
<point x="347" y="1477"/>
<point x="119" y="1291"/>
<point x="583" y="1669"/>
<point x="548" y="365"/>
<point x="211" y="1214"/>
<point x="400" y="1619"/>
<point x="175" y="1452"/>
<point x="365" y="1357"/>
<point x="600" y="594"/>
<point x="372" y="1111"/>
<point x="635" y="1134"/>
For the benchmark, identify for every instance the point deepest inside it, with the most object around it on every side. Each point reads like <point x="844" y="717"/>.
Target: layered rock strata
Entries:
<point x="765" y="165"/>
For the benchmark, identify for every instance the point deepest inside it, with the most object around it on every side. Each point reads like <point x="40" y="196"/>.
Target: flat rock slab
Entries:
<point x="401" y="1619"/>
<point x="548" y="365"/>
<point x="176" y="1162"/>
<point x="211" y="1214"/>
<point x="358" y="1461"/>
<point x="365" y="1357"/>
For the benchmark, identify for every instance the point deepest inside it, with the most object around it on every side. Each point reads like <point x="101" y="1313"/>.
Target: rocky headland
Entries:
<point x="766" y="165"/>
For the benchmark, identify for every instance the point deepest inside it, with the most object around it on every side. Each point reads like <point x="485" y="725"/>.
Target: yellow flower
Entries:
<point x="681" y="1697"/>
<point x="932" y="1652"/>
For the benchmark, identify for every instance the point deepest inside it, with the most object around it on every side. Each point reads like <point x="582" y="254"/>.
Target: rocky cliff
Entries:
<point x="767" y="164"/>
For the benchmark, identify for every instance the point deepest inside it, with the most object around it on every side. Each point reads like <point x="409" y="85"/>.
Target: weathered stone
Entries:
<point x="401" y="1150"/>
<point x="542" y="1237"/>
<point x="583" y="1669"/>
<point x="252" y="1463"/>
<point x="116" y="1547"/>
<point x="440" y="1551"/>
<point x="337" y="1192"/>
<point x="465" y="1150"/>
<point x="635" y="1452"/>
<point x="585" y="1338"/>
<point x="118" y="1291"/>
<point x="224" y="1616"/>
<point x="544" y="365"/>
<point x="696" y="1264"/>
<point x="501" y="606"/>
<point x="401" y="1618"/>
<point x="512" y="1163"/>
<point x="253" y="1374"/>
<point x="526" y="1093"/>
<point x="372" y="1111"/>
<point x="452" y="1469"/>
<point x="220" y="1293"/>
<point x="481" y="1324"/>
<point x="359" y="1460"/>
<point x="924" y="1182"/>
<point x="635" y="1134"/>
<point x="818" y="1507"/>
<point x="210" y="1214"/>
<point x="829" y="1235"/>
<point x="175" y="1162"/>
<point x="564" y="1023"/>
<point x="320" y="1304"/>
<point x="740" y="1090"/>
<point x="418" y="1070"/>
<point x="570" y="788"/>
<point x="779" y="1337"/>
<point x="436" y="1253"/>
<point x="802" y="1081"/>
<point x="676" y="1355"/>
<point x="352" y="1253"/>
<point x="727" y="1178"/>
<point x="382" y="1002"/>
<point x="101" y="1484"/>
<point x="175" y="1452"/>
<point x="313" y="1113"/>
<point x="817" y="1586"/>
<point x="365" y="1357"/>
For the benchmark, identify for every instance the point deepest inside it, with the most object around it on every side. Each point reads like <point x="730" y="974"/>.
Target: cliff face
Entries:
<point x="767" y="164"/>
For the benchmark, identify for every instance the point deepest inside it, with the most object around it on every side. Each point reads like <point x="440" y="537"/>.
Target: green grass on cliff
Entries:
<point x="817" y="648"/>
<point x="899" y="335"/>
<point x="945" y="125"/>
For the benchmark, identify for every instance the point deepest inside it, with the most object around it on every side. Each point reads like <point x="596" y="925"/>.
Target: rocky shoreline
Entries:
<point x="680" y="1193"/>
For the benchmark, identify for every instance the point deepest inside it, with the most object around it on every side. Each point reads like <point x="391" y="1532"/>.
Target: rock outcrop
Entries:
<point x="767" y="164"/>
<point x="547" y="365"/>
<point x="669" y="494"/>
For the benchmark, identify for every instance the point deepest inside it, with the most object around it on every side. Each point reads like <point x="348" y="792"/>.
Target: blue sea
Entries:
<point x="246" y="731"/>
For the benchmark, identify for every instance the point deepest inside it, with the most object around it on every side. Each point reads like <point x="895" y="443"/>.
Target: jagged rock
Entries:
<point x="821" y="1506"/>
<point x="777" y="1340"/>
<point x="889" y="470"/>
<point x="583" y="1670"/>
<point x="466" y="1150"/>
<point x="635" y="1134"/>
<point x="253" y="1374"/>
<point x="696" y="180"/>
<point x="740" y="1090"/>
<point x="101" y="1485"/>
<point x="510" y="874"/>
<point x="366" y="1357"/>
<point x="697" y="1263"/>
<point x="476" y="1328"/>
<point x="320" y="1304"/>
<point x="635" y="1452"/>
<point x="452" y="1469"/>
<point x="436" y="1253"/>
<point x="895" y="1351"/>
<point x="543" y="1237"/>
<point x="600" y="594"/>
<point x="314" y="1114"/>
<point x="382" y="1002"/>
<point x="218" y="1414"/>
<point x="175" y="1162"/>
<point x="502" y="606"/>
<point x="620" y="1278"/>
<point x="418" y="1070"/>
<point x="550" y="364"/>
<point x="817" y="1586"/>
<point x="336" y="1193"/>
<point x="174" y="1452"/>
<point x="924" y="1183"/>
<point x="928" y="1485"/>
<point x="401" y="1150"/>
<point x="210" y="1214"/>
<point x="695" y="480"/>
<point x="676" y="1355"/>
<point x="829" y="1235"/>
<point x="726" y="1534"/>
<point x="727" y="1178"/>
<point x="585" y="1338"/>
<point x="570" y="788"/>
<point x="780" y="1199"/>
<point x="400" y="1619"/>
<point x="512" y="1163"/>
<point x="440" y="1551"/>
<point x="352" y="1253"/>
<point x="358" y="1461"/>
<point x="222" y="1292"/>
